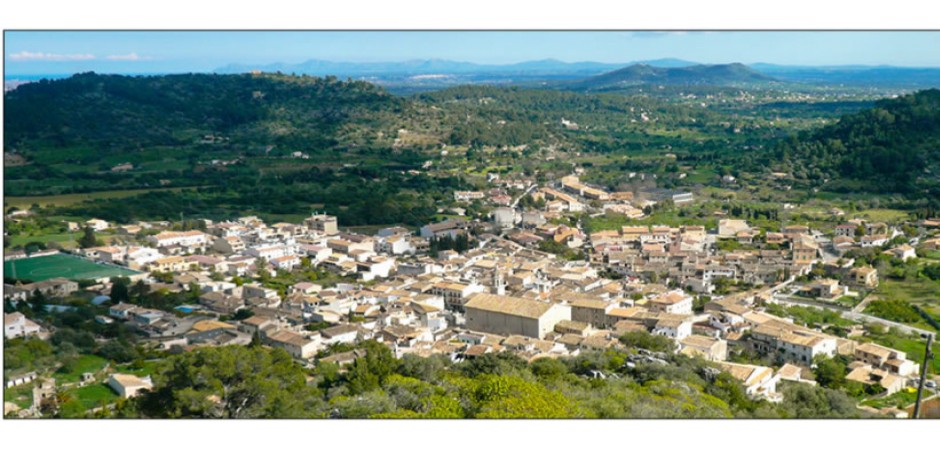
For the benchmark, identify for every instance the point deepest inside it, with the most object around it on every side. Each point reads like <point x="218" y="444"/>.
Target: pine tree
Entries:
<point x="88" y="238"/>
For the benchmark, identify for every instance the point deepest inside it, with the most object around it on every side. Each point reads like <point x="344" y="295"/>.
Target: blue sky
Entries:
<point x="42" y="52"/>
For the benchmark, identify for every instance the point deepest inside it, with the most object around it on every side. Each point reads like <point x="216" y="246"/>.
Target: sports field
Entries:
<point x="61" y="265"/>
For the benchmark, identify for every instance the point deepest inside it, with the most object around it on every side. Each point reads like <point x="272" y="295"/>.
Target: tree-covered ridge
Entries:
<point x="708" y="75"/>
<point x="893" y="147"/>
<point x="124" y="113"/>
<point x="257" y="382"/>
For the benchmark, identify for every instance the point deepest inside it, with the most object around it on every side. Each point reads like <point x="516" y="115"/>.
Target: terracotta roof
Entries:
<point x="503" y="304"/>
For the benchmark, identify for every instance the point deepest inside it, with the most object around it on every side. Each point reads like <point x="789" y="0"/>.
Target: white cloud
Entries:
<point x="40" y="56"/>
<point x="132" y="56"/>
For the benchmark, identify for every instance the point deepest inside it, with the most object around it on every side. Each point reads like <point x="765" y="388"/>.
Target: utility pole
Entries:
<point x="928" y="355"/>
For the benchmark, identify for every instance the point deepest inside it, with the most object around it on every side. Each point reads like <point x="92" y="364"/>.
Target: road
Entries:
<point x="852" y="314"/>
<point x="524" y="193"/>
<point x="859" y="317"/>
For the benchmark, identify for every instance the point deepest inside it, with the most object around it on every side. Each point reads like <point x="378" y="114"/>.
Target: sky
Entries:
<point x="66" y="52"/>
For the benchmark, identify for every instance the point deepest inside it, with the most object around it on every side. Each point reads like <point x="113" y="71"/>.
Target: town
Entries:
<point x="527" y="278"/>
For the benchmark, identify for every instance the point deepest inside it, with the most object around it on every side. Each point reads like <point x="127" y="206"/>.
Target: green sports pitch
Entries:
<point x="41" y="268"/>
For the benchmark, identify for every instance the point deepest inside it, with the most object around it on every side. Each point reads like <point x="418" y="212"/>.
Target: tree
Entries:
<point x="88" y="238"/>
<point x="652" y="342"/>
<point x="119" y="291"/>
<point x="230" y="382"/>
<point x="242" y="314"/>
<point x="139" y="289"/>
<point x="118" y="351"/>
<point x="371" y="370"/>
<point x="829" y="372"/>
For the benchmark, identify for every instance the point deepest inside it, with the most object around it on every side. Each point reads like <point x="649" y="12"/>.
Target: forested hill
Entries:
<point x="113" y="114"/>
<point x="710" y="75"/>
<point x="893" y="147"/>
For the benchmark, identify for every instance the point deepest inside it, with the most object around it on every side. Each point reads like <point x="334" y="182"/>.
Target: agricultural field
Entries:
<point x="72" y="199"/>
<point x="920" y="291"/>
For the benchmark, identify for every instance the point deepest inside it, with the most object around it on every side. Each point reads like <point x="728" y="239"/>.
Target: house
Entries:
<point x="53" y="287"/>
<point x="228" y="245"/>
<point x="468" y="196"/>
<point x="187" y="239"/>
<point x="846" y="230"/>
<point x="322" y="223"/>
<point x="450" y="227"/>
<point x="455" y="294"/>
<point x="504" y="315"/>
<point x="129" y="229"/>
<point x="892" y="361"/>
<point x="866" y="374"/>
<point x="592" y="311"/>
<point x="122" y="310"/>
<point x="826" y="288"/>
<point x="903" y="252"/>
<point x="347" y="247"/>
<point x="296" y="345"/>
<point x="169" y="264"/>
<point x="865" y="276"/>
<point x="127" y="385"/>
<point x="286" y="262"/>
<point x="17" y="325"/>
<point x="271" y="252"/>
<point x="97" y="224"/>
<point x="672" y="302"/>
<point x="504" y="217"/>
<point x="375" y="266"/>
<point x="758" y="381"/>
<point x="316" y="253"/>
<point x="729" y="228"/>
<point x="138" y="257"/>
<point x="221" y="303"/>
<point x="306" y="288"/>
<point x="709" y="348"/>
<point x="794" y="373"/>
<point x="258" y="325"/>
<point x="394" y="245"/>
<point x="791" y="342"/>
<point x="674" y="327"/>
<point x="874" y="240"/>
<point x="345" y="334"/>
<point x="805" y="250"/>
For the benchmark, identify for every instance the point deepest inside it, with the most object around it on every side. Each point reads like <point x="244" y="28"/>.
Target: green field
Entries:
<point x="21" y="395"/>
<point x="899" y="399"/>
<point x="85" y="363"/>
<point x="920" y="291"/>
<point x="95" y="395"/>
<point x="61" y="265"/>
<point x="71" y="199"/>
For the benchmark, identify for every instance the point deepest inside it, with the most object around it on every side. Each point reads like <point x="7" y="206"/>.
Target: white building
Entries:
<point x="17" y="325"/>
<point x="673" y="328"/>
<point x="759" y="381"/>
<point x="128" y="386"/>
<point x="189" y="239"/>
<point x="271" y="252"/>
<point x="673" y="302"/>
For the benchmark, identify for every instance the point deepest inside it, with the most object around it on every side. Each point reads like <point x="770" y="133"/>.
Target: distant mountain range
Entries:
<point x="591" y="75"/>
<point x="442" y="66"/>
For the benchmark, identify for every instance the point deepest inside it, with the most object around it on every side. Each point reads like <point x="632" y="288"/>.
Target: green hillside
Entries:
<point x="893" y="147"/>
